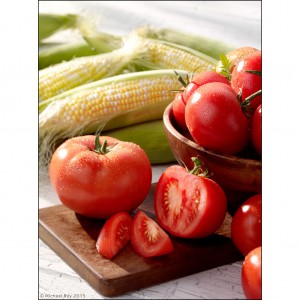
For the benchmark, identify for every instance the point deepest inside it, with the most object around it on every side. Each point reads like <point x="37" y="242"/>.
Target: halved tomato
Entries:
<point x="148" y="238"/>
<point x="114" y="235"/>
<point x="189" y="205"/>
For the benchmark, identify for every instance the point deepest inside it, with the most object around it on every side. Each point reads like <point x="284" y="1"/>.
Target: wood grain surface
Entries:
<point x="73" y="238"/>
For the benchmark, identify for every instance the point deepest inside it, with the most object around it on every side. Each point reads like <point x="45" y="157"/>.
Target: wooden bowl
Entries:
<point x="240" y="177"/>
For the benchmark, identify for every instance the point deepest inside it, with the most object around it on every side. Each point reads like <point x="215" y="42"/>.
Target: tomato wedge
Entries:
<point x="114" y="235"/>
<point x="148" y="238"/>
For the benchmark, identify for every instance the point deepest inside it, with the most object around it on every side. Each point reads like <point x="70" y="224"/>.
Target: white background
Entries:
<point x="19" y="165"/>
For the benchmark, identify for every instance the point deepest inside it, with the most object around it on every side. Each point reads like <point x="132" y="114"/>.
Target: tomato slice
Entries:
<point x="148" y="238"/>
<point x="114" y="235"/>
<point x="187" y="205"/>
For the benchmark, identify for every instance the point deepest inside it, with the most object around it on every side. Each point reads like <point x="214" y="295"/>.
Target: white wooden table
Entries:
<point x="238" y="23"/>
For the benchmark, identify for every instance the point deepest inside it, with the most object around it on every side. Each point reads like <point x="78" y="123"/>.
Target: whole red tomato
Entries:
<point x="187" y="205"/>
<point x="201" y="79"/>
<point x="233" y="58"/>
<point x="256" y="130"/>
<point x="215" y="119"/>
<point x="178" y="107"/>
<point x="182" y="98"/>
<point x="246" y="226"/>
<point x="246" y="82"/>
<point x="251" y="274"/>
<point x="99" y="180"/>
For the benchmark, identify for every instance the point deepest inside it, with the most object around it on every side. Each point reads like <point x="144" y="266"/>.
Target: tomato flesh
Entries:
<point x="148" y="238"/>
<point x="251" y="274"/>
<point x="187" y="205"/>
<point x="114" y="235"/>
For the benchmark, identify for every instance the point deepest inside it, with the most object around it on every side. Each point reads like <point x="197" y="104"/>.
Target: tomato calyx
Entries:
<point x="101" y="148"/>
<point x="245" y="105"/>
<point x="200" y="169"/>
<point x="226" y="64"/>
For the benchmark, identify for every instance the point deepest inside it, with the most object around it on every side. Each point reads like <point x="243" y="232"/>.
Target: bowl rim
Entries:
<point x="169" y="126"/>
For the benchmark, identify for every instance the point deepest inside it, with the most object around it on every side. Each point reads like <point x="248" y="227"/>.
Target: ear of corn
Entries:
<point x="68" y="75"/>
<point x="91" y="106"/>
<point x="166" y="55"/>
<point x="158" y="54"/>
<point x="206" y="45"/>
<point x="148" y="135"/>
<point x="52" y="23"/>
<point x="136" y="54"/>
<point x="107" y="42"/>
<point x="53" y="54"/>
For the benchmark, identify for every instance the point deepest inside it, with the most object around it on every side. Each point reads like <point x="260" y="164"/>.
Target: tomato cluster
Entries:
<point x="222" y="111"/>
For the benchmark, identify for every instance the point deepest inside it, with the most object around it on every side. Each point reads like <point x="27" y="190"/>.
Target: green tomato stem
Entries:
<point x="198" y="168"/>
<point x="101" y="149"/>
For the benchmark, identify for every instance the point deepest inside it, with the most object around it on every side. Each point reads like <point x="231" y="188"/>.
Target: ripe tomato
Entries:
<point x="215" y="119"/>
<point x="248" y="83"/>
<point x="187" y="205"/>
<point x="256" y="130"/>
<point x="246" y="226"/>
<point x="181" y="99"/>
<point x="233" y="57"/>
<point x="114" y="235"/>
<point x="178" y="107"/>
<point x="201" y="79"/>
<point x="251" y="274"/>
<point x="148" y="238"/>
<point x="99" y="183"/>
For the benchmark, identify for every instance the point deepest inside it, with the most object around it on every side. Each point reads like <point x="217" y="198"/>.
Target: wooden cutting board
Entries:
<point x="73" y="237"/>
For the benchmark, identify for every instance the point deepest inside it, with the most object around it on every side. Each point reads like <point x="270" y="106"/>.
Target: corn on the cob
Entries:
<point x="89" y="107"/>
<point x="65" y="76"/>
<point x="206" y="45"/>
<point x="148" y="135"/>
<point x="53" y="54"/>
<point x="160" y="54"/>
<point x="52" y="23"/>
<point x="165" y="55"/>
<point x="107" y="42"/>
<point x="137" y="53"/>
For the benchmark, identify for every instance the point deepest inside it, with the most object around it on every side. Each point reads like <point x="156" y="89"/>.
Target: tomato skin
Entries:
<point x="256" y="130"/>
<point x="114" y="235"/>
<point x="148" y="238"/>
<point x="100" y="185"/>
<point x="246" y="226"/>
<point x="247" y="82"/>
<point x="201" y="79"/>
<point x="178" y="107"/>
<point x="234" y="56"/>
<point x="251" y="274"/>
<point x="215" y="119"/>
<point x="181" y="99"/>
<point x="187" y="205"/>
